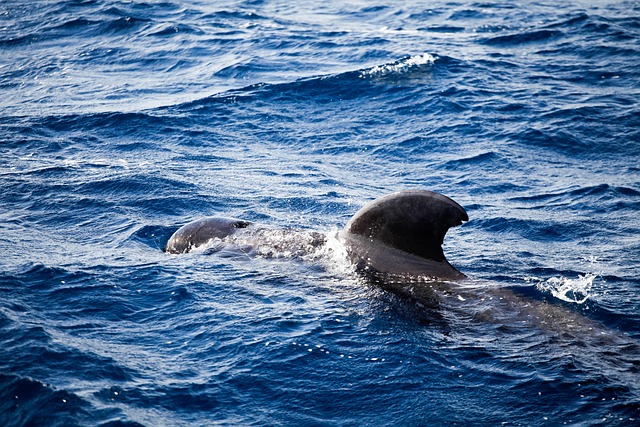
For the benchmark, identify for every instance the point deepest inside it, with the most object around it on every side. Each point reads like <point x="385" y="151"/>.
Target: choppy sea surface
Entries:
<point x="122" y="120"/>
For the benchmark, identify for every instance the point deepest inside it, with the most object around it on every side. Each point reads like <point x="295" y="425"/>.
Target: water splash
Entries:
<point x="570" y="290"/>
<point x="269" y="243"/>
<point x="400" y="67"/>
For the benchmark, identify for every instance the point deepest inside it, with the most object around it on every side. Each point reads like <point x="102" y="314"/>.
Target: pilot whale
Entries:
<point x="402" y="234"/>
<point x="398" y="235"/>
<point x="202" y="231"/>
<point x="396" y="243"/>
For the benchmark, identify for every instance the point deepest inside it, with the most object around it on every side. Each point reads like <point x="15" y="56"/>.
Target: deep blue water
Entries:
<point x="122" y="120"/>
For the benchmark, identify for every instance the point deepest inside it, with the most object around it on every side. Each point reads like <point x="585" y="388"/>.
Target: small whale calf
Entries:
<point x="398" y="235"/>
<point x="202" y="231"/>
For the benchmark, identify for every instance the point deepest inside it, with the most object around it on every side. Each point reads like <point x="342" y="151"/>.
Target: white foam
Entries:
<point x="571" y="290"/>
<point x="335" y="254"/>
<point x="400" y="67"/>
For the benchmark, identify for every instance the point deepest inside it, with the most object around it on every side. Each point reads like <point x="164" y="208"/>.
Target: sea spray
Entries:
<point x="570" y="290"/>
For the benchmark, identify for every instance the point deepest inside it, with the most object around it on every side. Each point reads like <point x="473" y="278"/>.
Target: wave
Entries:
<point x="153" y="236"/>
<point x="59" y="22"/>
<point x="25" y="401"/>
<point x="557" y="32"/>
<point x="407" y="65"/>
<point x="524" y="37"/>
<point x="534" y="229"/>
<point x="601" y="197"/>
<point x="319" y="85"/>
<point x="327" y="88"/>
<point x="319" y="88"/>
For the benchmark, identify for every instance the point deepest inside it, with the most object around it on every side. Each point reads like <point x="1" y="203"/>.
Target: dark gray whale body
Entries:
<point x="202" y="231"/>
<point x="398" y="235"/>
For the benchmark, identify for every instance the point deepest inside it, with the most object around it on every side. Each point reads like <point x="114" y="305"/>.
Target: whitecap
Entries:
<point x="400" y="67"/>
<point x="570" y="290"/>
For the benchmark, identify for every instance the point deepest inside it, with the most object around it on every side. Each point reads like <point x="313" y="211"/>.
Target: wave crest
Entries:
<point x="402" y="66"/>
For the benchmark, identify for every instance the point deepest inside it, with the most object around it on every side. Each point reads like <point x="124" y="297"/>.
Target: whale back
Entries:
<point x="412" y="221"/>
<point x="201" y="231"/>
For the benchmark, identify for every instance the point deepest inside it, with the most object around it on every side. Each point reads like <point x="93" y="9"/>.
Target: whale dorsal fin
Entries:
<point x="414" y="221"/>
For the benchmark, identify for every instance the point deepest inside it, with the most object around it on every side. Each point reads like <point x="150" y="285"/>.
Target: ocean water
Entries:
<point x="122" y="120"/>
